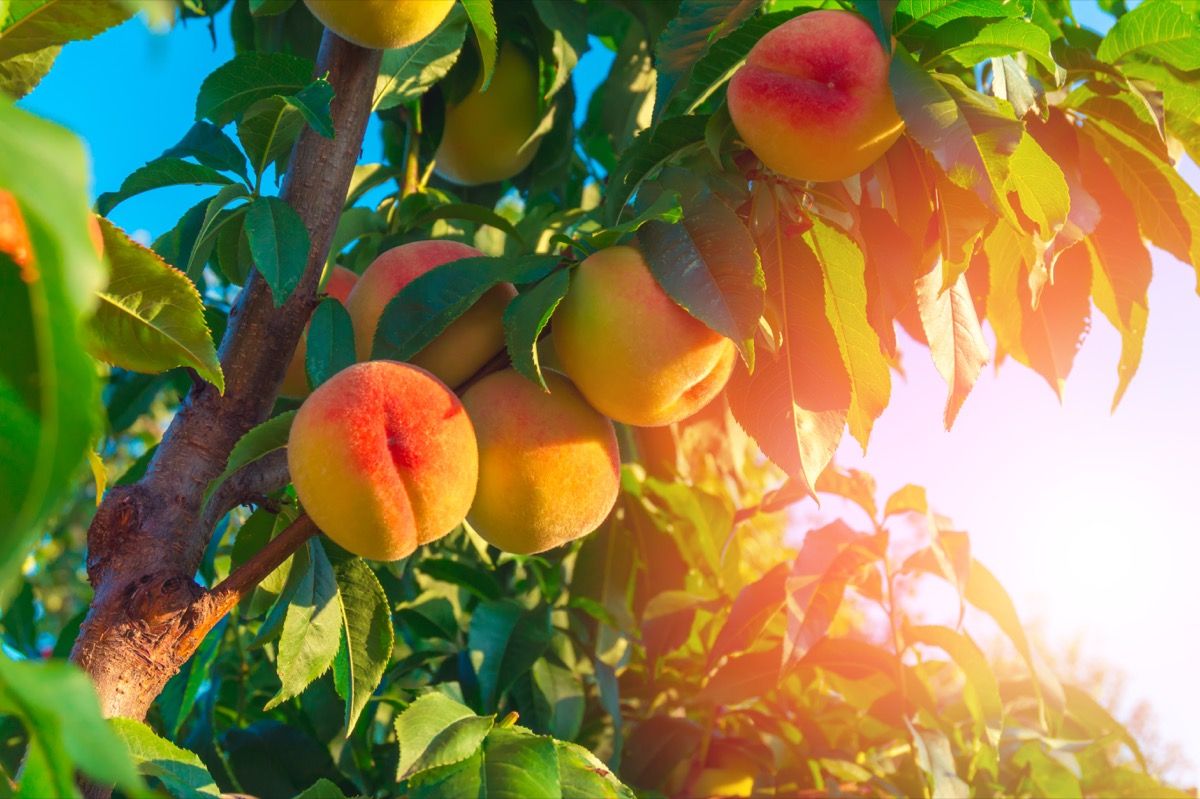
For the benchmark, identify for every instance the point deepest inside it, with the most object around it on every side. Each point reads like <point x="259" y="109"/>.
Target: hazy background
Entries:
<point x="1089" y="519"/>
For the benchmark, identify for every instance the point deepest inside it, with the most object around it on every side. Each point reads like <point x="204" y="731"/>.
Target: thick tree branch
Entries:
<point x="147" y="539"/>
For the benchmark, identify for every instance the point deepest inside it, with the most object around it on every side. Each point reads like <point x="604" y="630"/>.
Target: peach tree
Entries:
<point x="548" y="377"/>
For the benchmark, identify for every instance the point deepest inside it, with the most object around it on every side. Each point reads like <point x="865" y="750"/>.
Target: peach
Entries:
<point x="636" y="355"/>
<point x="381" y="24"/>
<point x="813" y="101"/>
<point x="383" y="458"/>
<point x="549" y="470"/>
<point x="14" y="237"/>
<point x="486" y="135"/>
<point x="468" y="343"/>
<point x="295" y="380"/>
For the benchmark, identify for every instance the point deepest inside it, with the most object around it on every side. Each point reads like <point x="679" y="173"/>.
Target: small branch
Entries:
<point x="412" y="165"/>
<point x="213" y="606"/>
<point x="258" y="479"/>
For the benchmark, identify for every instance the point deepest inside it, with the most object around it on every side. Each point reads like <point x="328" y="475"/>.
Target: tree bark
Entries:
<point x="147" y="539"/>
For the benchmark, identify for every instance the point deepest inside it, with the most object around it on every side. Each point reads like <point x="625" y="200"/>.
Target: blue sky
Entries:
<point x="1087" y="517"/>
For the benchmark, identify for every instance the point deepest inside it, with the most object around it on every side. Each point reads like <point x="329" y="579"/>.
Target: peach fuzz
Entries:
<point x="295" y="380"/>
<point x="466" y="344"/>
<point x="549" y="470"/>
<point x="381" y="24"/>
<point x="813" y="101"/>
<point x="486" y="133"/>
<point x="383" y="459"/>
<point x="636" y="355"/>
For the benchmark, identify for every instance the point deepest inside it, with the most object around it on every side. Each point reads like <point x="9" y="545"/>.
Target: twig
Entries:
<point x="258" y="479"/>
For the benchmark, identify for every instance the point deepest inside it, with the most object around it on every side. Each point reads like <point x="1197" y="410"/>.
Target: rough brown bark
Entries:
<point x="147" y="539"/>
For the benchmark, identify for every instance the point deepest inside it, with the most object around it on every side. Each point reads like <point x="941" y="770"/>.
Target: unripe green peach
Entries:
<point x="466" y="344"/>
<point x="486" y="133"/>
<point x="295" y="380"/>
<point x="636" y="355"/>
<point x="381" y="24"/>
<point x="549" y="470"/>
<point x="813" y="101"/>
<point x="383" y="459"/>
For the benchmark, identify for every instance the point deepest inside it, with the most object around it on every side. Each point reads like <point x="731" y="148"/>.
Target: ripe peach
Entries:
<point x="383" y="459"/>
<point x="14" y="237"/>
<point x="549" y="470"/>
<point x="295" y="380"/>
<point x="636" y="355"/>
<point x="484" y="132"/>
<point x="381" y="24"/>
<point x="467" y="344"/>
<point x="812" y="100"/>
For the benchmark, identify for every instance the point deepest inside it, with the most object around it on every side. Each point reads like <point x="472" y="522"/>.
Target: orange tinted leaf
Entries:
<point x="795" y="403"/>
<point x="1166" y="207"/>
<point x="849" y="658"/>
<point x="751" y="611"/>
<point x="893" y="261"/>
<point x="1008" y="256"/>
<point x="1052" y="332"/>
<point x="910" y="498"/>
<point x="852" y="484"/>
<point x="846" y="309"/>
<point x="743" y="677"/>
<point x="954" y="335"/>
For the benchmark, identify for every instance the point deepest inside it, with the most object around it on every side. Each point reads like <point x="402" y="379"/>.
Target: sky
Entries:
<point x="1086" y="516"/>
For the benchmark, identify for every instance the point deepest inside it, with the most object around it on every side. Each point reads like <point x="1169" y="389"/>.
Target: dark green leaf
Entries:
<point x="313" y="103"/>
<point x="252" y="76"/>
<point x="209" y="145"/>
<point x="367" y="636"/>
<point x="652" y="150"/>
<point x="158" y="174"/>
<point x="656" y="746"/>
<point x="526" y="317"/>
<point x="267" y="131"/>
<point x="311" y="629"/>
<point x="408" y="72"/>
<point x="329" y="347"/>
<point x="259" y="442"/>
<point x="689" y="35"/>
<point x="429" y="303"/>
<point x="505" y="640"/>
<point x="278" y="243"/>
<point x="180" y="771"/>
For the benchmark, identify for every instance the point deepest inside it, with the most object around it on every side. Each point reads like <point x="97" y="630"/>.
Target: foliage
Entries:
<point x="690" y="633"/>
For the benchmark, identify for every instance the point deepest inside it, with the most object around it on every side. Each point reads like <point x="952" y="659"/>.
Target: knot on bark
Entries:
<point x="161" y="598"/>
<point x="117" y="520"/>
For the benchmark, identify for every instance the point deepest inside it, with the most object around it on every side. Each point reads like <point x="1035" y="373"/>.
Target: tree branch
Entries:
<point x="212" y="607"/>
<point x="250" y="483"/>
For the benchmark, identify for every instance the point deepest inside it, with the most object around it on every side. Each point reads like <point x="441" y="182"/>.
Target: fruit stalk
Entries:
<point x="148" y="538"/>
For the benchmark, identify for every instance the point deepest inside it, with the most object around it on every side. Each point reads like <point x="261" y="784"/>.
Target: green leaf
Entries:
<point x="157" y="174"/>
<point x="435" y="731"/>
<point x="209" y="145"/>
<point x="723" y="58"/>
<point x="258" y="443"/>
<point x="215" y="220"/>
<point x="312" y="628"/>
<point x="20" y="74"/>
<point x="559" y="698"/>
<point x="968" y="42"/>
<point x="150" y="317"/>
<point x="322" y="788"/>
<point x="267" y="131"/>
<point x="252" y="76"/>
<point x="653" y="149"/>
<point x="428" y="304"/>
<point x="583" y="776"/>
<point x="983" y="691"/>
<point x="1040" y="186"/>
<point x="665" y="208"/>
<point x="470" y="212"/>
<point x="708" y="263"/>
<point x="408" y="72"/>
<point x="689" y="35"/>
<point x="567" y="25"/>
<point x="843" y="266"/>
<point x="180" y="771"/>
<point x="505" y="640"/>
<point x="1157" y="28"/>
<point x="279" y="244"/>
<point x="526" y="317"/>
<point x="179" y="697"/>
<point x="55" y="702"/>
<point x="367" y="636"/>
<point x="32" y="25"/>
<point x="483" y="22"/>
<point x="935" y="757"/>
<point x="933" y="14"/>
<point x="313" y="104"/>
<point x="329" y="347"/>
<point x="48" y="387"/>
<point x="511" y="764"/>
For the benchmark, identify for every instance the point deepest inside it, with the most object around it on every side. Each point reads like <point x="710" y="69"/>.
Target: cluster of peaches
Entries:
<point x="385" y="456"/>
